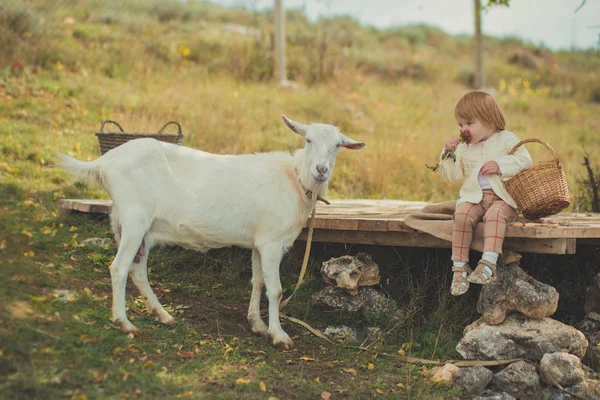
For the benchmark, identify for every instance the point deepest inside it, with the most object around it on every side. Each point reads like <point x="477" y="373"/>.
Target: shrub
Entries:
<point x="595" y="94"/>
<point x="19" y="18"/>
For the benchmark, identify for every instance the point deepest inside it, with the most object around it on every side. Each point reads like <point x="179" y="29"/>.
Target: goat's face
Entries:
<point x="322" y="145"/>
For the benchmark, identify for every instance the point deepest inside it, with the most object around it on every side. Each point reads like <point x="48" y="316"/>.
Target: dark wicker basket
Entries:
<point x="110" y="140"/>
<point x="540" y="190"/>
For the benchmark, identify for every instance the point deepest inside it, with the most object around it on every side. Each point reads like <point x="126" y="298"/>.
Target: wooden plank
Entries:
<point x="86" y="206"/>
<point x="334" y="223"/>
<point x="540" y="231"/>
<point x="388" y="216"/>
<point x="374" y="225"/>
<point x="406" y="239"/>
<point x="375" y="238"/>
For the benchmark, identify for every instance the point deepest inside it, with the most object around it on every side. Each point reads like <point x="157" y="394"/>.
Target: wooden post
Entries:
<point x="280" y="62"/>
<point x="479" y="80"/>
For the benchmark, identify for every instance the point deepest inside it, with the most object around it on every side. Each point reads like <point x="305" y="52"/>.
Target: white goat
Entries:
<point x="168" y="194"/>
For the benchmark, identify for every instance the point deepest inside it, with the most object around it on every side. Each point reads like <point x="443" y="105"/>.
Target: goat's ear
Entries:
<point x="297" y="127"/>
<point x="351" y="144"/>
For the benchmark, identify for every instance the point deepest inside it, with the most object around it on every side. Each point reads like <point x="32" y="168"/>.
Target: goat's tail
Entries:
<point x="90" y="172"/>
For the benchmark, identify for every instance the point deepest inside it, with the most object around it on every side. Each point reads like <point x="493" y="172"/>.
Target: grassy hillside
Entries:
<point x="143" y="63"/>
<point x="65" y="66"/>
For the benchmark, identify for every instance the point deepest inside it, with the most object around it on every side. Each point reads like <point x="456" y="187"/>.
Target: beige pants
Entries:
<point x="496" y="213"/>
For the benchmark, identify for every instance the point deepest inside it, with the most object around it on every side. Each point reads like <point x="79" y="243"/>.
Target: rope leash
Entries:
<point x="306" y="254"/>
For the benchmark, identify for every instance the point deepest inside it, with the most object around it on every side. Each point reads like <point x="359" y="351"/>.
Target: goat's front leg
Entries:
<point x="270" y="259"/>
<point x="258" y="283"/>
<point x="139" y="276"/>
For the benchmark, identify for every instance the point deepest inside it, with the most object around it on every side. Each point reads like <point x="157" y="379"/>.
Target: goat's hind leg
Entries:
<point x="139" y="276"/>
<point x="258" y="283"/>
<point x="129" y="240"/>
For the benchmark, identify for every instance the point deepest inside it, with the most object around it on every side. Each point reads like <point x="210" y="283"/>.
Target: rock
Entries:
<point x="592" y="297"/>
<point x="590" y="327"/>
<point x="553" y="393"/>
<point x="519" y="379"/>
<point x="562" y="368"/>
<point x="520" y="337"/>
<point x="491" y="395"/>
<point x="96" y="242"/>
<point x="587" y="389"/>
<point x="473" y="380"/>
<point x="369" y="304"/>
<point x="514" y="290"/>
<point x="510" y="257"/>
<point x="590" y="324"/>
<point x="447" y="373"/>
<point x="372" y="334"/>
<point x="342" y="332"/>
<point x="349" y="272"/>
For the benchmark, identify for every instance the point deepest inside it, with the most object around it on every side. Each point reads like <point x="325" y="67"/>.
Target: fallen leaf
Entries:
<point x="325" y="395"/>
<point x="263" y="387"/>
<point x="242" y="381"/>
<point x="350" y="371"/>
<point x="18" y="278"/>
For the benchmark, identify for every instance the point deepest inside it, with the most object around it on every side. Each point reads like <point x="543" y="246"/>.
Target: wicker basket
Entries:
<point x="110" y="140"/>
<point x="540" y="189"/>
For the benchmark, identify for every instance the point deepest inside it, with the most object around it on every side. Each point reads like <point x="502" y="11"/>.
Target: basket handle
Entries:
<point x="171" y="122"/>
<point x="112" y="122"/>
<point x="522" y="142"/>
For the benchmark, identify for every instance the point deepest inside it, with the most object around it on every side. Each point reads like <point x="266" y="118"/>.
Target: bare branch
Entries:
<point x="581" y="5"/>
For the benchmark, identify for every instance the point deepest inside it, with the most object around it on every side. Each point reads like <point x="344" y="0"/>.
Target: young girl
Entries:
<point x="483" y="163"/>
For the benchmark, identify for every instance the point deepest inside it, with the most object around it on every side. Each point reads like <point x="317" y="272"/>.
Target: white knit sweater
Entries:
<point x="470" y="158"/>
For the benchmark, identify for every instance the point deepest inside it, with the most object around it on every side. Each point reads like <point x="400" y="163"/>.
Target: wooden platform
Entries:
<point x="381" y="222"/>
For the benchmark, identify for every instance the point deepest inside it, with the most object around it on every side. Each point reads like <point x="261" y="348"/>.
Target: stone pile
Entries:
<point x="515" y="324"/>
<point x="348" y="291"/>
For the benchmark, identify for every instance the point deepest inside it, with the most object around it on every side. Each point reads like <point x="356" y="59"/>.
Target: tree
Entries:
<point x="280" y="60"/>
<point x="478" y="39"/>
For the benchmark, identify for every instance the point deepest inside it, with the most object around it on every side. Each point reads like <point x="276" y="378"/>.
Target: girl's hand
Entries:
<point x="490" y="168"/>
<point x="451" y="144"/>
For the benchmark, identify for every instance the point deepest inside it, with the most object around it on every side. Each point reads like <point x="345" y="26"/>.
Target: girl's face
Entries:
<point x="474" y="131"/>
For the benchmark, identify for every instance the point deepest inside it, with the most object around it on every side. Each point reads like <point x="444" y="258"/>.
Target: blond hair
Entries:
<point x="482" y="107"/>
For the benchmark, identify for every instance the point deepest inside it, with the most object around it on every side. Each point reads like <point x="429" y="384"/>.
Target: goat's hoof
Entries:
<point x="126" y="326"/>
<point x="260" y="328"/>
<point x="168" y="320"/>
<point x="283" y="342"/>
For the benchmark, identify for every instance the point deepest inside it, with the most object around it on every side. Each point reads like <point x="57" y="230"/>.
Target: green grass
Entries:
<point x="143" y="63"/>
